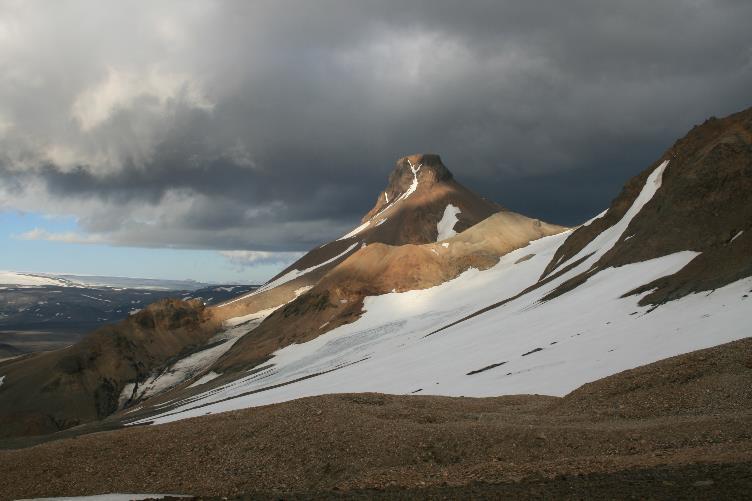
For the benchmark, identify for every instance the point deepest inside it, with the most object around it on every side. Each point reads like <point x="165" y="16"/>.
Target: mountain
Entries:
<point x="664" y="270"/>
<point x="425" y="204"/>
<point x="422" y="203"/>
<point x="440" y="292"/>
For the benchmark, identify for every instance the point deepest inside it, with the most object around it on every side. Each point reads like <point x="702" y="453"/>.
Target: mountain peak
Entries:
<point x="419" y="190"/>
<point x="417" y="172"/>
<point x="425" y="168"/>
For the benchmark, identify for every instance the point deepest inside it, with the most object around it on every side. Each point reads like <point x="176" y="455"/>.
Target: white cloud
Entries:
<point x="67" y="237"/>
<point x="244" y="258"/>
<point x="120" y="89"/>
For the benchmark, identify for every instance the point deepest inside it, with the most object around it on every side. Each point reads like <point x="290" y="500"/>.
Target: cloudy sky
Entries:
<point x="217" y="140"/>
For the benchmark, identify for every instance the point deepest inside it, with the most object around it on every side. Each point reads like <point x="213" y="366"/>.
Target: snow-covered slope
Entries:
<point x="524" y="345"/>
<point x="68" y="280"/>
<point x="26" y="279"/>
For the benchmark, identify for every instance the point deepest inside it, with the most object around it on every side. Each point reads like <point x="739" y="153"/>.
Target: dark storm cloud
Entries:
<point x="271" y="126"/>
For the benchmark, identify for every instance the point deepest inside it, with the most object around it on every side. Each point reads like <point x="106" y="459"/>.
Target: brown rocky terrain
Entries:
<point x="678" y="428"/>
<point x="49" y="391"/>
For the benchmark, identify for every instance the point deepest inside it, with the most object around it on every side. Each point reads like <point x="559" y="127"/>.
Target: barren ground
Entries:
<point x="679" y="428"/>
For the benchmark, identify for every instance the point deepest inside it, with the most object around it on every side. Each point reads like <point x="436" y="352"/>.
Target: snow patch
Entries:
<point x="414" y="184"/>
<point x="736" y="236"/>
<point x="410" y="190"/>
<point x="293" y="274"/>
<point x="126" y="394"/>
<point x="2" y="380"/>
<point x="204" y="379"/>
<point x="97" y="298"/>
<point x="445" y="245"/>
<point x="445" y="226"/>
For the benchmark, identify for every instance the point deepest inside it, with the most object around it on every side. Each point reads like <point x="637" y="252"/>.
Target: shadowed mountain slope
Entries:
<point x="704" y="205"/>
<point x="50" y="391"/>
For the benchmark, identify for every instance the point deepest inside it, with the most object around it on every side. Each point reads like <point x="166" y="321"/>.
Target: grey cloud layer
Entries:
<point x="271" y="126"/>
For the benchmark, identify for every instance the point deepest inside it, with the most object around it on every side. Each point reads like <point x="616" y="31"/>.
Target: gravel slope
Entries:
<point x="679" y="427"/>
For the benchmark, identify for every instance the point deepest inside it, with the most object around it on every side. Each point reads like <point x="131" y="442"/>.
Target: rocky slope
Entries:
<point x="673" y="429"/>
<point x="703" y="206"/>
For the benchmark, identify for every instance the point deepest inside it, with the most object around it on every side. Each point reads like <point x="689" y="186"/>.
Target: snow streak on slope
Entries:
<point x="591" y="220"/>
<point x="608" y="238"/>
<point x="445" y="227"/>
<point x="356" y="230"/>
<point x="410" y="190"/>
<point x="414" y="185"/>
<point x="204" y="379"/>
<point x="522" y="346"/>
